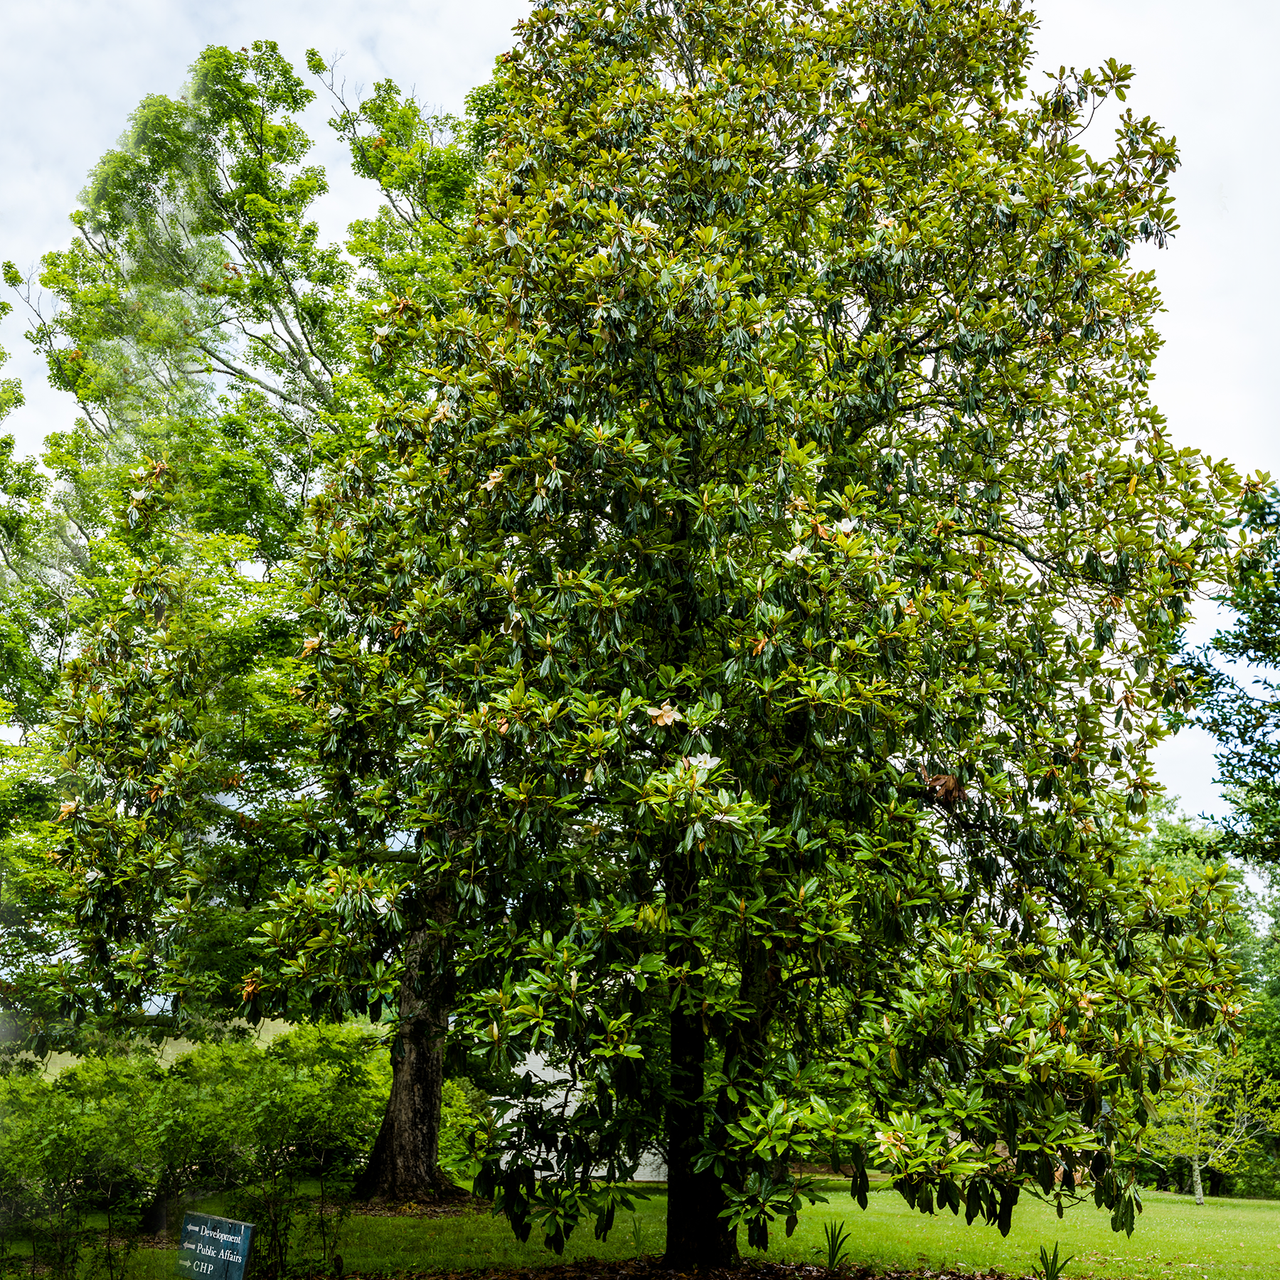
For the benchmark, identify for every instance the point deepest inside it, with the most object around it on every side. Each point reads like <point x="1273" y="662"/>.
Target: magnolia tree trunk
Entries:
<point x="697" y="1237"/>
<point x="404" y="1163"/>
<point x="1196" y="1184"/>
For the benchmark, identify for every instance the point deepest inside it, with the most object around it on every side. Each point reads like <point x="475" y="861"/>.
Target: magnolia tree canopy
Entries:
<point x="739" y="668"/>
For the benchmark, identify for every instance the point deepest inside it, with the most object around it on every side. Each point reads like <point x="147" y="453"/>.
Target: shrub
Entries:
<point x="84" y="1142"/>
<point x="113" y="1135"/>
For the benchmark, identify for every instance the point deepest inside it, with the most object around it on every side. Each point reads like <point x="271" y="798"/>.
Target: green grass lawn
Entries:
<point x="1225" y="1238"/>
<point x="1222" y="1240"/>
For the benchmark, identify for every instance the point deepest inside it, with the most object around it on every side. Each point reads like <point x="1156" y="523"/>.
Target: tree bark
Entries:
<point x="404" y="1163"/>
<point x="697" y="1237"/>
<point x="1196" y="1184"/>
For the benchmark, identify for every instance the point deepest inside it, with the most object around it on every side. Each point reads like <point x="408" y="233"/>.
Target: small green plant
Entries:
<point x="837" y="1239"/>
<point x="637" y="1234"/>
<point x="1050" y="1268"/>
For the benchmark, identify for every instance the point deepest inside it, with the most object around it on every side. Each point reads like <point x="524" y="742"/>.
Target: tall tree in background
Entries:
<point x="220" y="356"/>
<point x="32" y="611"/>
<point x="772" y="609"/>
<point x="1217" y="1117"/>
<point x="1241" y="707"/>
<point x="197" y="315"/>
<point x="198" y="326"/>
<point x="29" y="937"/>
<point x="1220" y="1114"/>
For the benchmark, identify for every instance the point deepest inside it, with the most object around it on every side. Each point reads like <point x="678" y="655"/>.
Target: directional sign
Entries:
<point x="213" y="1248"/>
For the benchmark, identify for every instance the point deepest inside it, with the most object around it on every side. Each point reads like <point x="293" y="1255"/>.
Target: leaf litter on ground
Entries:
<point x="653" y="1269"/>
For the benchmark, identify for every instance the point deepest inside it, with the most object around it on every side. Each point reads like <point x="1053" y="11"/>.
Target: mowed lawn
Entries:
<point x="1173" y="1237"/>
<point x="1224" y="1239"/>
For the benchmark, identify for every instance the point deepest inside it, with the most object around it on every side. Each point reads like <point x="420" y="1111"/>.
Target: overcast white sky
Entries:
<point x="72" y="70"/>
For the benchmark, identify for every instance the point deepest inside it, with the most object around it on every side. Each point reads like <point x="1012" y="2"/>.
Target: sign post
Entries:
<point x="213" y="1248"/>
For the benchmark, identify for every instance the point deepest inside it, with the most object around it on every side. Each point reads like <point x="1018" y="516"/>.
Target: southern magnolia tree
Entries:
<point x="742" y="669"/>
<point x="180" y="745"/>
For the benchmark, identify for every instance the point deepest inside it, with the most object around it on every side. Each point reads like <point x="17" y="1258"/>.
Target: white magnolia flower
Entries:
<point x="665" y="714"/>
<point x="845" y="526"/>
<point x="704" y="761"/>
<point x="796" y="553"/>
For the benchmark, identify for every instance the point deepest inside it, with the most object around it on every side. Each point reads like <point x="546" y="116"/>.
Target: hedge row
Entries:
<point x="111" y="1147"/>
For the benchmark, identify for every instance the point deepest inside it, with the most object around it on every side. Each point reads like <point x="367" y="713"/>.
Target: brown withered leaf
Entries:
<point x="945" y="789"/>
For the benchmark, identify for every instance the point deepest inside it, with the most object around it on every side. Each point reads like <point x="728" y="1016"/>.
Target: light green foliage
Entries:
<point x="33" y="610"/>
<point x="29" y="607"/>
<point x="1216" y="1116"/>
<point x="1237" y="671"/>
<point x="10" y="388"/>
<point x="762" y="628"/>
<point x="425" y="166"/>
<point x="260" y="1122"/>
<point x="1208" y="1112"/>
<point x="1264" y="1023"/>
<point x="463" y="1120"/>
<point x="33" y="924"/>
<point x="219" y="354"/>
<point x="198" y="314"/>
<point x="1187" y="847"/>
<point x="72" y="1147"/>
<point x="198" y="320"/>
<point x="1241" y="710"/>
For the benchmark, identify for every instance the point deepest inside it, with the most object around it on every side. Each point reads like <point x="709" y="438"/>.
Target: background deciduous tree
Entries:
<point x="1240" y="707"/>
<point x="1216" y="1117"/>
<point x="221" y="356"/>
<point x="1241" y="710"/>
